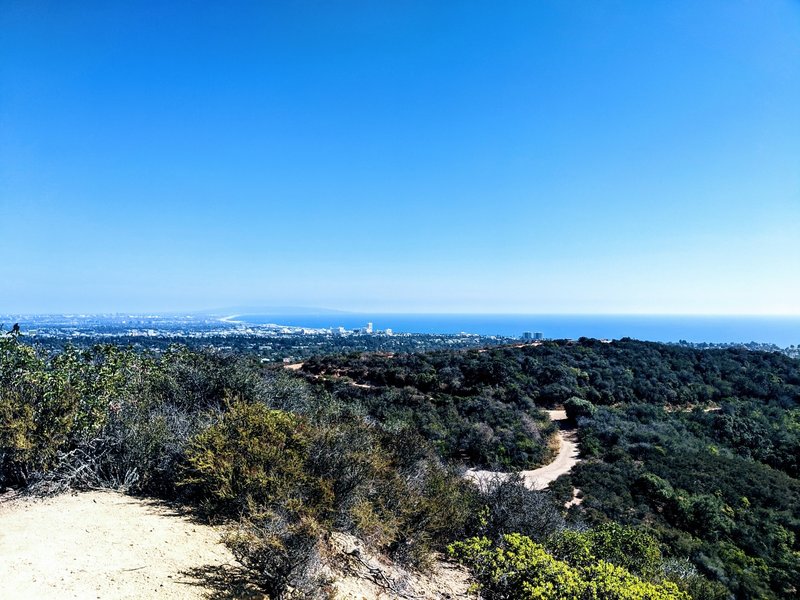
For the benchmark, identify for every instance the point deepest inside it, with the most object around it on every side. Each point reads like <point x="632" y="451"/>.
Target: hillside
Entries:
<point x="688" y="475"/>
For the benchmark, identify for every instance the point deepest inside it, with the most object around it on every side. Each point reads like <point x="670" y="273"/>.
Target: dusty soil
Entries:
<point x="108" y="545"/>
<point x="111" y="546"/>
<point x="537" y="479"/>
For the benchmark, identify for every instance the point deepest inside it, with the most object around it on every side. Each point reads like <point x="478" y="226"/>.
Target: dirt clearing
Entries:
<point x="108" y="545"/>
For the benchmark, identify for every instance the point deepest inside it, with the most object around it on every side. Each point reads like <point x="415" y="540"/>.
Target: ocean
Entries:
<point x="782" y="331"/>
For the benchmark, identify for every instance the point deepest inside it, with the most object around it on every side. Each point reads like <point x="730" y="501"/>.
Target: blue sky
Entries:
<point x="542" y="157"/>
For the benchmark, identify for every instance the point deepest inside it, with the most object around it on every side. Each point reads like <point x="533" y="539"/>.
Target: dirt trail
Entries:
<point x="298" y="366"/>
<point x="108" y="545"/>
<point x="537" y="479"/>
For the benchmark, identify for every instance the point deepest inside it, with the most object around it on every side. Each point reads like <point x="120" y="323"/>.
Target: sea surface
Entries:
<point x="781" y="331"/>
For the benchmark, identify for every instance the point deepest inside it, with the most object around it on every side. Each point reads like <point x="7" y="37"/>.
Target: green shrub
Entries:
<point x="517" y="568"/>
<point x="37" y="413"/>
<point x="578" y="407"/>
<point x="626" y="547"/>
<point x="253" y="463"/>
<point x="18" y="444"/>
<point x="656" y="490"/>
<point x="253" y="456"/>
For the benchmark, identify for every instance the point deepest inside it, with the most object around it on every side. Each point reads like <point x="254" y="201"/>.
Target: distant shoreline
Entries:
<point x="781" y="331"/>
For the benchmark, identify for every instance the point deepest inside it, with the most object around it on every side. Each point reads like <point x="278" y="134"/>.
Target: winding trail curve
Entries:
<point x="538" y="479"/>
<point x="534" y="479"/>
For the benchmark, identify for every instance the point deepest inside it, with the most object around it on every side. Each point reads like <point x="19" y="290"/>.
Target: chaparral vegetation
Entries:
<point x="688" y="484"/>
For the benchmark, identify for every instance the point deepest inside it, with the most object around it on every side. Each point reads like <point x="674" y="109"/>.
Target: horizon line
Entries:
<point x="333" y="312"/>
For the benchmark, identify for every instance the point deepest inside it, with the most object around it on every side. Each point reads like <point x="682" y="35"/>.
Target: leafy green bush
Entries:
<point x="578" y="407"/>
<point x="38" y="409"/>
<point x="253" y="463"/>
<point x="517" y="568"/>
<point x="626" y="547"/>
<point x="253" y="456"/>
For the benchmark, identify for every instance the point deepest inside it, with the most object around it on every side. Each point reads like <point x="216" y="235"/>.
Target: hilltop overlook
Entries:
<point x="687" y="483"/>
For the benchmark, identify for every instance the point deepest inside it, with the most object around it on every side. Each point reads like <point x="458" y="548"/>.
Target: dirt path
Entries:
<point x="108" y="545"/>
<point x="298" y="366"/>
<point x="537" y="479"/>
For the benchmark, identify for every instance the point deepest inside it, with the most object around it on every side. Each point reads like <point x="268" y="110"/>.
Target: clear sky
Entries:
<point x="570" y="156"/>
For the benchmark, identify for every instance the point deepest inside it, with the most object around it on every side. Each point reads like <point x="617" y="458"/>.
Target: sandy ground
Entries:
<point x="108" y="545"/>
<point x="537" y="479"/>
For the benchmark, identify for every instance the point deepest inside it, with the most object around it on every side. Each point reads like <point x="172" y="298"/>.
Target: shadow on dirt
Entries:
<point x="224" y="582"/>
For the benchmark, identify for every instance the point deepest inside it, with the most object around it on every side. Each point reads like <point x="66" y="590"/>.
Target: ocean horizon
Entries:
<point x="783" y="331"/>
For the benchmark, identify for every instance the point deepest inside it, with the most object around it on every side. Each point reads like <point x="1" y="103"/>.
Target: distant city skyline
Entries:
<point x="528" y="158"/>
